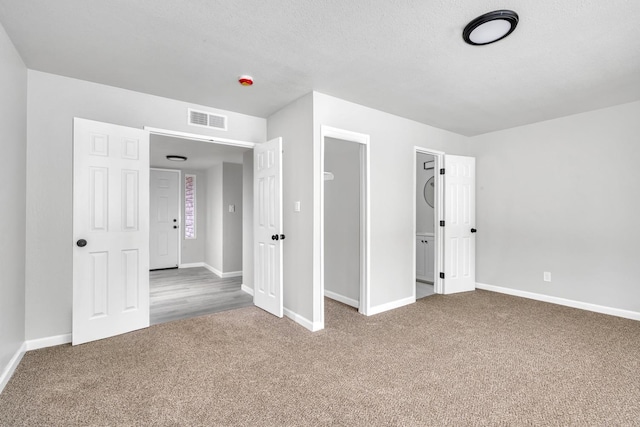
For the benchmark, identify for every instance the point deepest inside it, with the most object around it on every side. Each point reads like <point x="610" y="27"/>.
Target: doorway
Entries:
<point x="344" y="223"/>
<point x="198" y="195"/>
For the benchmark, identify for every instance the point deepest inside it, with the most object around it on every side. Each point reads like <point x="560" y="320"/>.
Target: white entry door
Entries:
<point x="164" y="219"/>
<point x="460" y="220"/>
<point x="268" y="231"/>
<point x="110" y="230"/>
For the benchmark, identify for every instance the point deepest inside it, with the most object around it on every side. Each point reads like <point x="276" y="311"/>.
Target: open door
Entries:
<point x="110" y="230"/>
<point x="460" y="219"/>
<point x="269" y="236"/>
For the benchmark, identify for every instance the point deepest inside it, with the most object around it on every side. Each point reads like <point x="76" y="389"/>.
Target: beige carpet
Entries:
<point x="478" y="358"/>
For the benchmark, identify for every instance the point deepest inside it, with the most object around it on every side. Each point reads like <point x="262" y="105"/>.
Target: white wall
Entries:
<point x="213" y="241"/>
<point x="232" y="221"/>
<point x="342" y="219"/>
<point x="424" y="212"/>
<point x="247" y="219"/>
<point x="13" y="134"/>
<point x="53" y="101"/>
<point x="294" y="123"/>
<point x="193" y="250"/>
<point x="562" y="196"/>
<point x="392" y="173"/>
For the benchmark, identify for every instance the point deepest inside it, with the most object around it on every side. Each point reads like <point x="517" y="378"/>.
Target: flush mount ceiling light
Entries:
<point x="490" y="27"/>
<point x="176" y="158"/>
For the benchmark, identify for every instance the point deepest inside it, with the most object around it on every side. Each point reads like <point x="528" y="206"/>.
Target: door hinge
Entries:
<point x="441" y="223"/>
<point x="442" y="171"/>
<point x="442" y="275"/>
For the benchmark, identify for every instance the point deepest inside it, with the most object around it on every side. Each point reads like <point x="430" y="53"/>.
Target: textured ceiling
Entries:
<point x="404" y="57"/>
<point x="200" y="155"/>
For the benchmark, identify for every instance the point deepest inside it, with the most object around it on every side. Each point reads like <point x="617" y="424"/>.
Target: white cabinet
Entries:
<point x="424" y="257"/>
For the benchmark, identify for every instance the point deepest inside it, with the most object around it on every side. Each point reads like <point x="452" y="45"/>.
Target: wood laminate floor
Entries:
<point x="188" y="292"/>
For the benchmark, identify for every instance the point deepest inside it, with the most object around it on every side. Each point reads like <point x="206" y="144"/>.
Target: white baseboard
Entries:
<point x="8" y="371"/>
<point x="48" y="342"/>
<point x="191" y="265"/>
<point x="342" y="299"/>
<point x="391" y="305"/>
<point x="627" y="314"/>
<point x="312" y="326"/>
<point x="247" y="289"/>
<point x="220" y="273"/>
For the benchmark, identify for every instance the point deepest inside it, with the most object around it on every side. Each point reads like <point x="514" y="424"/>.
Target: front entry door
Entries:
<point x="164" y="222"/>
<point x="460" y="222"/>
<point x="110" y="230"/>
<point x="269" y="236"/>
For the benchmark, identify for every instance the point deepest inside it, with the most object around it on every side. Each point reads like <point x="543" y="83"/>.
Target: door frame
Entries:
<point x="438" y="215"/>
<point x="365" y="222"/>
<point x="180" y="184"/>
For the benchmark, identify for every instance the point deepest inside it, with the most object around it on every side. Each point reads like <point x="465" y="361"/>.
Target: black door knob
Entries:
<point x="175" y="226"/>
<point x="275" y="237"/>
<point x="473" y="230"/>
<point x="282" y="237"/>
<point x="81" y="243"/>
<point x="175" y="220"/>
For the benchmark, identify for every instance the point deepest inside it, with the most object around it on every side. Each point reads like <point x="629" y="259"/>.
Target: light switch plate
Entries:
<point x="232" y="208"/>
<point x="296" y="207"/>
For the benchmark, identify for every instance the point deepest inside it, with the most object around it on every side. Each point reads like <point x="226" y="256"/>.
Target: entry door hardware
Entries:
<point x="473" y="230"/>
<point x="442" y="275"/>
<point x="81" y="243"/>
<point x="277" y="237"/>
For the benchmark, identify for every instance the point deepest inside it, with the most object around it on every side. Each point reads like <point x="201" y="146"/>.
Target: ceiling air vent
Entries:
<point x="207" y="120"/>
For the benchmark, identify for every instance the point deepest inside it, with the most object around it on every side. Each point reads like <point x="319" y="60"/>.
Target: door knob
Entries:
<point x="473" y="230"/>
<point x="175" y="226"/>
<point x="275" y="237"/>
<point x="81" y="243"/>
<point x="281" y="237"/>
<point x="175" y="220"/>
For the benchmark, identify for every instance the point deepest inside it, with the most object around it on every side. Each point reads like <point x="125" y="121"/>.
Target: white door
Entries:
<point x="164" y="219"/>
<point x="460" y="220"/>
<point x="110" y="230"/>
<point x="421" y="258"/>
<point x="268" y="231"/>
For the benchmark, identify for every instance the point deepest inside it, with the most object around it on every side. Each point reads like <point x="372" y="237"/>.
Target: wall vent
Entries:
<point x="207" y="120"/>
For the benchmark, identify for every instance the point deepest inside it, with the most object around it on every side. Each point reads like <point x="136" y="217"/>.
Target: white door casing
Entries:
<point x="110" y="213"/>
<point x="268" y="240"/>
<point x="164" y="218"/>
<point x="460" y="217"/>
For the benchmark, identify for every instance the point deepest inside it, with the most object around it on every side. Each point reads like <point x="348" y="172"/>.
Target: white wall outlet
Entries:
<point x="546" y="276"/>
<point x="296" y="207"/>
<point x="232" y="208"/>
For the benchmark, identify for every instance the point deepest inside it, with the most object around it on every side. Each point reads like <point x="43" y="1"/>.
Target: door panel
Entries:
<point x="110" y="271"/>
<point x="164" y="223"/>
<point x="459" y="241"/>
<point x="268" y="223"/>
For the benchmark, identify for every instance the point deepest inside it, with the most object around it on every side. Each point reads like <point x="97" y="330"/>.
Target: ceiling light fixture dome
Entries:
<point x="175" y="158"/>
<point x="490" y="27"/>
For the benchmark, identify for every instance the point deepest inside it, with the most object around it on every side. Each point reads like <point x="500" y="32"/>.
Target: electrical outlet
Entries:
<point x="546" y="276"/>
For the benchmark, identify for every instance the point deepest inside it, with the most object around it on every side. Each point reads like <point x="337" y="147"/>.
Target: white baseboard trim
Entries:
<point x="48" y="342"/>
<point x="220" y="273"/>
<point x="627" y="314"/>
<point x="8" y="371"/>
<point x="391" y="305"/>
<point x="191" y="265"/>
<point x="342" y="299"/>
<point x="247" y="289"/>
<point x="312" y="326"/>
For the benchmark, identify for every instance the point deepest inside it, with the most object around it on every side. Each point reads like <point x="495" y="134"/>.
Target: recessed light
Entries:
<point x="490" y="27"/>
<point x="174" y="158"/>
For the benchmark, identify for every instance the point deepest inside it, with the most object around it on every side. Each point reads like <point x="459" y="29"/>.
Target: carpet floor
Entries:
<point x="477" y="358"/>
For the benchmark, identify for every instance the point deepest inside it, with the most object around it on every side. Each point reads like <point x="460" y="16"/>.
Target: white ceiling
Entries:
<point x="405" y="57"/>
<point x="200" y="154"/>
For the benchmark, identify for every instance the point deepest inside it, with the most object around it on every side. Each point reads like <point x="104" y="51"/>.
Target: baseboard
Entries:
<point x="312" y="326"/>
<point x="220" y="273"/>
<point x="11" y="366"/>
<point x="391" y="305"/>
<point x="247" y="289"/>
<point x="627" y="314"/>
<point x="48" y="342"/>
<point x="191" y="265"/>
<point x="342" y="299"/>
